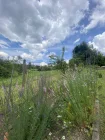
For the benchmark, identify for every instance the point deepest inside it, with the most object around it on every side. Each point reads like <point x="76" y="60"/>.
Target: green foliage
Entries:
<point x="44" y="68"/>
<point x="59" y="62"/>
<point x="27" y="113"/>
<point x="99" y="75"/>
<point x="100" y="60"/>
<point x="101" y="96"/>
<point x="88" y="55"/>
<point x="75" y="61"/>
<point x="6" y="67"/>
<point x="44" y="105"/>
<point x="77" y="94"/>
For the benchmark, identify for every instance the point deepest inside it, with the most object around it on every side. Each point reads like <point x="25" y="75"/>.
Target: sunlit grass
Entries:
<point x="49" y="103"/>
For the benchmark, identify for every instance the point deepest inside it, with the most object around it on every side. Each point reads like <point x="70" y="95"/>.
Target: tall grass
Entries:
<point x="77" y="93"/>
<point x="28" y="117"/>
<point x="67" y="101"/>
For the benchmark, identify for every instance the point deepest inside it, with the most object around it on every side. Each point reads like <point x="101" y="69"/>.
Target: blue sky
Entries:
<point x="36" y="29"/>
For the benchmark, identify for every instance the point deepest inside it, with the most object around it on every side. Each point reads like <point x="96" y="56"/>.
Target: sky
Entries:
<point x="36" y="29"/>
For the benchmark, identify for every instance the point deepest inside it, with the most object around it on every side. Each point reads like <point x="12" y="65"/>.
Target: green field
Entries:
<point x="52" y="105"/>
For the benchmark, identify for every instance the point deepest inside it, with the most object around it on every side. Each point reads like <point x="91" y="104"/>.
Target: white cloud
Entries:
<point x="3" y="44"/>
<point x="27" y="56"/>
<point x="43" y="64"/>
<point x="38" y="25"/>
<point x="99" y="42"/>
<point x="76" y="40"/>
<point x="97" y="17"/>
<point x="3" y="54"/>
<point x="32" y="57"/>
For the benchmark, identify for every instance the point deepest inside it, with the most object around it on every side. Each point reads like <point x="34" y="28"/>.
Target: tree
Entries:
<point x="86" y="53"/>
<point x="100" y="59"/>
<point x="59" y="62"/>
<point x="74" y="61"/>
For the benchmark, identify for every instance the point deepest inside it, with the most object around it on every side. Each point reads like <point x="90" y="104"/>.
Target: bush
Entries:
<point x="4" y="72"/>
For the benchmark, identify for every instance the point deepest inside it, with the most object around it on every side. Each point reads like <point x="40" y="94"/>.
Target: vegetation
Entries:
<point x="55" y="101"/>
<point x="86" y="54"/>
<point x="6" y="67"/>
<point x="65" y="102"/>
<point x="59" y="62"/>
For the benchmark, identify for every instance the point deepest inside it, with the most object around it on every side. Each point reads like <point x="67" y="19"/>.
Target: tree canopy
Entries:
<point x="87" y="54"/>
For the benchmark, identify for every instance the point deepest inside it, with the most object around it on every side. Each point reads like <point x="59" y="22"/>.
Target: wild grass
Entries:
<point x="101" y="96"/>
<point x="28" y="117"/>
<point x="77" y="93"/>
<point x="49" y="103"/>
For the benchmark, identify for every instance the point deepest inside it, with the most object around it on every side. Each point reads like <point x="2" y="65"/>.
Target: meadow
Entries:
<point x="52" y="105"/>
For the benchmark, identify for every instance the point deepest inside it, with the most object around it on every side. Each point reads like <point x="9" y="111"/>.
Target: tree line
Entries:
<point x="82" y="54"/>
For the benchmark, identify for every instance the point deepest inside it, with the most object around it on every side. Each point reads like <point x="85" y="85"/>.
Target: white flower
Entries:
<point x="63" y="137"/>
<point x="30" y="108"/>
<point x="50" y="134"/>
<point x="64" y="122"/>
<point x="65" y="125"/>
<point x="59" y="116"/>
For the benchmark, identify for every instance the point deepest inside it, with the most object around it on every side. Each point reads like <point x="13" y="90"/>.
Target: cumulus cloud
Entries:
<point x="76" y="41"/>
<point x="31" y="57"/>
<point x="27" y="56"/>
<point x="39" y="24"/>
<point x="43" y="64"/>
<point x="3" y="55"/>
<point x="99" y="42"/>
<point x="97" y="17"/>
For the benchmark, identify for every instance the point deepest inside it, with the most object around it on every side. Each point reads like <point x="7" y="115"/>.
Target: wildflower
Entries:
<point x="59" y="116"/>
<point x="50" y="134"/>
<point x="44" y="89"/>
<point x="65" y="125"/>
<point x="63" y="137"/>
<point x="30" y="108"/>
<point x="30" y="111"/>
<point x="85" y="84"/>
<point x="69" y="122"/>
<point x="64" y="122"/>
